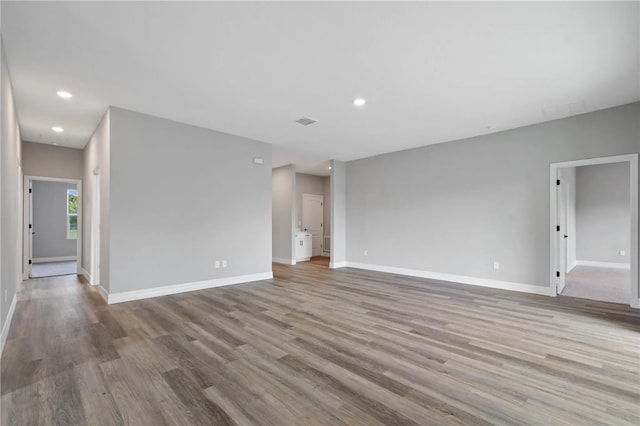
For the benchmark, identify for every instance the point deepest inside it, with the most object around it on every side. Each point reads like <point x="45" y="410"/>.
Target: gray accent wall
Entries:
<point x="10" y="206"/>
<point x="306" y="184"/>
<point x="326" y="186"/>
<point x="456" y="207"/>
<point x="97" y="159"/>
<point x="603" y="212"/>
<point x="283" y="184"/>
<point x="339" y="231"/>
<point x="181" y="198"/>
<point x="52" y="161"/>
<point x="50" y="220"/>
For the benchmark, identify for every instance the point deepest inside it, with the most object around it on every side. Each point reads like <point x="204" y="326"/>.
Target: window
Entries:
<point x="72" y="214"/>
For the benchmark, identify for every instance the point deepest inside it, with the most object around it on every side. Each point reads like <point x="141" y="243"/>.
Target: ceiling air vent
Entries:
<point x="305" y="121"/>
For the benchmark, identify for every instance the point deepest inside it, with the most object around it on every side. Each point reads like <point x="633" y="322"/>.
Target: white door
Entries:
<point x="562" y="233"/>
<point x="312" y="218"/>
<point x="95" y="231"/>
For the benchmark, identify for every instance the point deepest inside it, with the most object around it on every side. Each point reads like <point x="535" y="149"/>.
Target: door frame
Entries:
<point x="555" y="236"/>
<point x="27" y="241"/>
<point x="321" y="197"/>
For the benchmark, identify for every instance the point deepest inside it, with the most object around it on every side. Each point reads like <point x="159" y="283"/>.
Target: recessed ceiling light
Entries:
<point x="57" y="129"/>
<point x="359" y="102"/>
<point x="329" y="167"/>
<point x="64" y="94"/>
<point x="492" y="126"/>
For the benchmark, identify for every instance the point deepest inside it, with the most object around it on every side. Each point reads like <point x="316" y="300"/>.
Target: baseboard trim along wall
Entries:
<point x="283" y="260"/>
<point x="460" y="279"/>
<point x="128" y="296"/>
<point x="7" y="323"/>
<point x="612" y="265"/>
<point x="54" y="259"/>
<point x="336" y="265"/>
<point x="86" y="274"/>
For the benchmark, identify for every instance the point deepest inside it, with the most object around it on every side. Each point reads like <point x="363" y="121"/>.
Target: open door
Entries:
<point x="562" y="237"/>
<point x="312" y="220"/>
<point x="27" y="240"/>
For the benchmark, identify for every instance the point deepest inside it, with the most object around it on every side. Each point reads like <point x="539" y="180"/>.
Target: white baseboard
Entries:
<point x="54" y="259"/>
<point x="127" y="296"/>
<point x="572" y="266"/>
<point x="336" y="265"/>
<point x="461" y="279"/>
<point x="7" y="324"/>
<point x="283" y="260"/>
<point x="612" y="265"/>
<point x="85" y="274"/>
<point x="635" y="304"/>
<point x="104" y="293"/>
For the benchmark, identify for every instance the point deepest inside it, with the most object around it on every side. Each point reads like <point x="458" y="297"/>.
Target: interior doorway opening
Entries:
<point x="594" y="236"/>
<point x="52" y="223"/>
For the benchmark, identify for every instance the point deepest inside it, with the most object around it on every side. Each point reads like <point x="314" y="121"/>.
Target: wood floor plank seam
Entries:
<point x="316" y="346"/>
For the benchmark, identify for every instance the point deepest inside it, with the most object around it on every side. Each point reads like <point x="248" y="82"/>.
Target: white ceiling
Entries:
<point x="431" y="72"/>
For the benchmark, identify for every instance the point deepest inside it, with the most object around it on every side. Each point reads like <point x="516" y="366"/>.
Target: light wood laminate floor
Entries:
<point x="319" y="346"/>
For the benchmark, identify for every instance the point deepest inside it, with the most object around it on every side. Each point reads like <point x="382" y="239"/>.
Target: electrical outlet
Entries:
<point x="217" y="264"/>
<point x="224" y="263"/>
<point x="496" y="265"/>
<point x="366" y="253"/>
<point x="623" y="253"/>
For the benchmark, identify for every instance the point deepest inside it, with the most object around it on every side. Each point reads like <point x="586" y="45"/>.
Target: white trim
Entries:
<point x="554" y="236"/>
<point x="572" y="266"/>
<point x="459" y="279"/>
<point x="7" y="323"/>
<point x="104" y="293"/>
<point x="336" y="265"/>
<point x="127" y="296"/>
<point x="86" y="274"/>
<point x="612" y="265"/>
<point x="283" y="260"/>
<point x="54" y="259"/>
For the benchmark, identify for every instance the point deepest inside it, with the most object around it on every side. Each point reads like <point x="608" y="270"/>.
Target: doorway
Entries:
<point x="313" y="220"/>
<point x="52" y="227"/>
<point x="594" y="235"/>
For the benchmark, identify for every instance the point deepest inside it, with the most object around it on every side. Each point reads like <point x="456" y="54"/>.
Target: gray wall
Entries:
<point x="306" y="184"/>
<point x="603" y="212"/>
<point x="456" y="207"/>
<point x="182" y="197"/>
<point x="97" y="158"/>
<point x="10" y="206"/>
<point x="52" y="161"/>
<point x="339" y="231"/>
<point x="326" y="187"/>
<point x="283" y="184"/>
<point x="50" y="220"/>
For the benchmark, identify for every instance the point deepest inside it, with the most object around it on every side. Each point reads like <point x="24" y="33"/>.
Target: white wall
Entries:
<point x="283" y="213"/>
<point x="603" y="212"/>
<point x="97" y="157"/>
<point x="52" y="161"/>
<point x="50" y="220"/>
<point x="182" y="197"/>
<point x="455" y="208"/>
<point x="10" y="208"/>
